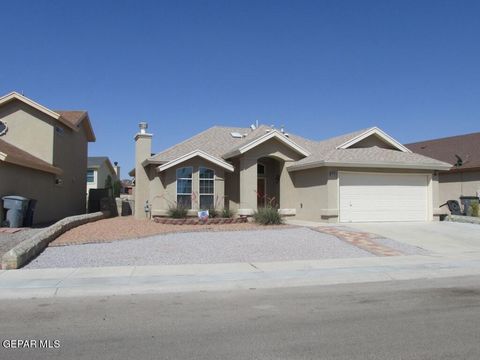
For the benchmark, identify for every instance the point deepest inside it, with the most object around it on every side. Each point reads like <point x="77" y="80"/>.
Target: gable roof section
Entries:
<point x="218" y="143"/>
<point x="467" y="147"/>
<point x="195" y="153"/>
<point x="374" y="131"/>
<point x="94" y="162"/>
<point x="330" y="153"/>
<point x="11" y="154"/>
<point x="71" y="119"/>
<point x="272" y="134"/>
<point x="77" y="118"/>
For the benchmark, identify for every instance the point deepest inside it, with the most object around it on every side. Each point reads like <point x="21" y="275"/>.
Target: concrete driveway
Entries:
<point x="438" y="237"/>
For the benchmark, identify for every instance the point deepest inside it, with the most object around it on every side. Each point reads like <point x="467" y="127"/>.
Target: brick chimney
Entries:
<point x="143" y="150"/>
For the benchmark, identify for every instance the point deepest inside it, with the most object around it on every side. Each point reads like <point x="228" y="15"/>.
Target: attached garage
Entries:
<point x="369" y="197"/>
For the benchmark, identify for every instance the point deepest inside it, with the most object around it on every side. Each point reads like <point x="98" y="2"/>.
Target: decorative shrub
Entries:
<point x="177" y="212"/>
<point x="227" y="213"/>
<point x="267" y="216"/>
<point x="213" y="213"/>
<point x="474" y="209"/>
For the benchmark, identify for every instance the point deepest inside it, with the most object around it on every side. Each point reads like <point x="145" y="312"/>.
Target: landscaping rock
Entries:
<point x="27" y="250"/>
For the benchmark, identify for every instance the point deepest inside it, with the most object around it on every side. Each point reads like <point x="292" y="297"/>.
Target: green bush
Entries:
<point x="474" y="209"/>
<point x="227" y="213"/>
<point x="177" y="212"/>
<point x="267" y="216"/>
<point x="213" y="213"/>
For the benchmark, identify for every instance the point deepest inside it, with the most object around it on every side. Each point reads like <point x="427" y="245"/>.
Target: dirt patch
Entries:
<point x="122" y="228"/>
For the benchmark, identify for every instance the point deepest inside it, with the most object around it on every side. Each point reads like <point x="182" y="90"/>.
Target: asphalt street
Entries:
<point x="421" y="319"/>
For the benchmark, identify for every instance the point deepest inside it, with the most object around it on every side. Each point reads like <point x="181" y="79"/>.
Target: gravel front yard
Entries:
<point x="121" y="228"/>
<point x="201" y="248"/>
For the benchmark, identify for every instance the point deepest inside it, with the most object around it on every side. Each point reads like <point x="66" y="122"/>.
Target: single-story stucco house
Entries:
<point x="463" y="179"/>
<point x="363" y="176"/>
<point x="43" y="156"/>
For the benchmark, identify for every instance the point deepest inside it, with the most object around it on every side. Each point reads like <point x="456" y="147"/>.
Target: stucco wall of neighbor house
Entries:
<point x="33" y="184"/>
<point x="94" y="183"/>
<point x="456" y="184"/>
<point x="29" y="129"/>
<point x="33" y="131"/>
<point x="163" y="186"/>
<point x="71" y="152"/>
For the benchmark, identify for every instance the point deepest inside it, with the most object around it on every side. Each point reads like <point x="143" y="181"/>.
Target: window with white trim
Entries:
<point x="207" y="188"/>
<point x="184" y="187"/>
<point x="90" y="176"/>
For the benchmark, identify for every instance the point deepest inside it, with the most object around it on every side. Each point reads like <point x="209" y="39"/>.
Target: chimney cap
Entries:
<point x="143" y="127"/>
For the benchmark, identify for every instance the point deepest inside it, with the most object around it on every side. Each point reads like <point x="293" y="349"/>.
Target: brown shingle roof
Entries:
<point x="72" y="116"/>
<point x="75" y="117"/>
<point x="14" y="155"/>
<point x="467" y="147"/>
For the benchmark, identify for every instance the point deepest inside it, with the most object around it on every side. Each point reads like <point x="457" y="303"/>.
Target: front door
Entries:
<point x="261" y="192"/>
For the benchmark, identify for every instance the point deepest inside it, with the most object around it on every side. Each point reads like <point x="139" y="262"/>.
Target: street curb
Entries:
<point x="29" y="249"/>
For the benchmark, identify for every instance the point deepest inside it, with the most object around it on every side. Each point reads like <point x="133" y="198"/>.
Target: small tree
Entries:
<point x="117" y="186"/>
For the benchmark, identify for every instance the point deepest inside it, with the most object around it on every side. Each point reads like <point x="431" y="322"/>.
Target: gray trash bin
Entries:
<point x="16" y="207"/>
<point x="467" y="202"/>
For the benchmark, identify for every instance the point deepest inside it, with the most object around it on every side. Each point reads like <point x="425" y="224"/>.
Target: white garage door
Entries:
<point x="383" y="197"/>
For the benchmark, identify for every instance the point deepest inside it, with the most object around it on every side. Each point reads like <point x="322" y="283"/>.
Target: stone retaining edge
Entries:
<point x="29" y="249"/>
<point x="463" y="219"/>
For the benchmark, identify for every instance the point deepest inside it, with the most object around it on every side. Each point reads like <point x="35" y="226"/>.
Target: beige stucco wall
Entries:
<point x="29" y="129"/>
<point x="18" y="180"/>
<point x="311" y="196"/>
<point x="247" y="165"/>
<point x="163" y="186"/>
<point x="65" y="149"/>
<point x="70" y="154"/>
<point x="454" y="185"/>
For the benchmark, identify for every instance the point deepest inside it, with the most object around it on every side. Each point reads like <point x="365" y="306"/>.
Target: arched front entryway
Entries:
<point x="268" y="181"/>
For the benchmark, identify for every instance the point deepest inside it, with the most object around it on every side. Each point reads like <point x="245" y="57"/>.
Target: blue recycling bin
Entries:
<point x="16" y="207"/>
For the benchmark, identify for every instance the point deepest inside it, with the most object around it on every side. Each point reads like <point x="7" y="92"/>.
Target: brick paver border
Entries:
<point x="363" y="240"/>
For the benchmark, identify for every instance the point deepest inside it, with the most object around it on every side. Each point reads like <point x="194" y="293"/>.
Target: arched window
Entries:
<point x="207" y="188"/>
<point x="184" y="187"/>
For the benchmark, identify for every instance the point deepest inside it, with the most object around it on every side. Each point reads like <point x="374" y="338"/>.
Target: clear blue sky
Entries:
<point x="322" y="68"/>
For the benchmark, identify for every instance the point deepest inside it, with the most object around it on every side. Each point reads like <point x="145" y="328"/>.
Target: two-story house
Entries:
<point x="43" y="156"/>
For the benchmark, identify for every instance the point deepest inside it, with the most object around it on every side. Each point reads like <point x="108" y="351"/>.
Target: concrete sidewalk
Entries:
<point x="126" y="280"/>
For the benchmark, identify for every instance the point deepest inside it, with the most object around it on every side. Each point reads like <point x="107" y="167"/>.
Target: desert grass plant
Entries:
<point x="213" y="213"/>
<point x="177" y="211"/>
<point x="267" y="216"/>
<point x="474" y="209"/>
<point x="227" y="213"/>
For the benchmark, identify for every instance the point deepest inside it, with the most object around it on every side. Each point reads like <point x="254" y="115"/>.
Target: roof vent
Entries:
<point x="236" y="135"/>
<point x="143" y="127"/>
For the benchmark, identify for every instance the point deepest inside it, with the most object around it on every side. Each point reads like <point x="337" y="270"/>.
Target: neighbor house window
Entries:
<point x="184" y="187"/>
<point x="90" y="176"/>
<point x="206" y="187"/>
